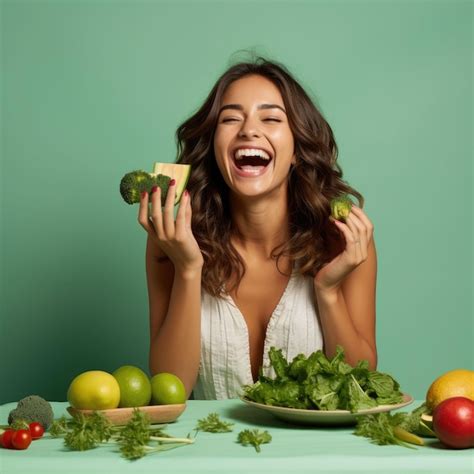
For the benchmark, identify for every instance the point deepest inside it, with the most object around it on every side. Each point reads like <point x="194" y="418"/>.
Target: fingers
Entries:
<point x="155" y="212"/>
<point x="369" y="227"/>
<point x="352" y="242"/>
<point x="357" y="231"/>
<point x="360" y="238"/>
<point x="168" y="211"/>
<point x="181" y="216"/>
<point x="143" y="213"/>
<point x="189" y="211"/>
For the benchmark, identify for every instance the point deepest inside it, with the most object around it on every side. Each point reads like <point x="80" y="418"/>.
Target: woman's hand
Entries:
<point x="358" y="231"/>
<point x="174" y="238"/>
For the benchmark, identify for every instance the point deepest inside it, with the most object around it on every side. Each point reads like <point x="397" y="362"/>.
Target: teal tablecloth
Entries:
<point x="294" y="449"/>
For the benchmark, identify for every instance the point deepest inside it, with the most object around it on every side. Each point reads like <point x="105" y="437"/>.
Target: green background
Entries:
<point x="93" y="89"/>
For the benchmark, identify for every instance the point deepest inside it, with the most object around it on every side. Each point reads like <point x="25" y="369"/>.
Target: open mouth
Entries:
<point x="251" y="162"/>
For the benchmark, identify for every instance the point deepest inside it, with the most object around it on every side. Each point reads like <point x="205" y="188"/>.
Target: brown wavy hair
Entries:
<point x="313" y="181"/>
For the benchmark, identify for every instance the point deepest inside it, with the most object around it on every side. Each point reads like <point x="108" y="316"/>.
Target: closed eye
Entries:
<point x="265" y="120"/>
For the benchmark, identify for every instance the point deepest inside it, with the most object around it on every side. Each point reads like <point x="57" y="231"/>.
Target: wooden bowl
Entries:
<point x="121" y="416"/>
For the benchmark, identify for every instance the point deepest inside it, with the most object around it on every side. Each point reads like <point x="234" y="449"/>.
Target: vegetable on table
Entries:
<point x="213" y="424"/>
<point x="453" y="422"/>
<point x="318" y="383"/>
<point x="36" y="430"/>
<point x="135" y="440"/>
<point x="386" y="428"/>
<point x="32" y="408"/>
<point x="6" y="439"/>
<point x="254" y="438"/>
<point x="21" y="439"/>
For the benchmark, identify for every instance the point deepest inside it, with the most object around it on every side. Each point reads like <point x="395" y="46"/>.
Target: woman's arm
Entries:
<point x="175" y="318"/>
<point x="345" y="292"/>
<point x="173" y="267"/>
<point x="347" y="313"/>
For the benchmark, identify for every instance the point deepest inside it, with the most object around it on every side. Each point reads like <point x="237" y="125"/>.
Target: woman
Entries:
<point x="256" y="260"/>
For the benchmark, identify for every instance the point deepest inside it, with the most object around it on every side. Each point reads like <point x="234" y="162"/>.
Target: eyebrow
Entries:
<point x="259" y="107"/>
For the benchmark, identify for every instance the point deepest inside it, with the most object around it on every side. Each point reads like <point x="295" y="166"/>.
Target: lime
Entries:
<point x="167" y="389"/>
<point x="135" y="387"/>
<point x="94" y="390"/>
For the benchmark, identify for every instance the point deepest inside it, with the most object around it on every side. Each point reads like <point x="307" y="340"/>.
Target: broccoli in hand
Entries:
<point x="33" y="408"/>
<point x="134" y="183"/>
<point x="341" y="207"/>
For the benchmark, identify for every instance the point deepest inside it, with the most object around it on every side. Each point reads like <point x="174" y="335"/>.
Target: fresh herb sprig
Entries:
<point x="398" y="429"/>
<point x="213" y="424"/>
<point x="83" y="432"/>
<point x="254" y="438"/>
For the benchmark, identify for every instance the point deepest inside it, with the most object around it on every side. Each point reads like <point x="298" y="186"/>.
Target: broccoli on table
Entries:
<point x="341" y="207"/>
<point x="33" y="408"/>
<point x="134" y="183"/>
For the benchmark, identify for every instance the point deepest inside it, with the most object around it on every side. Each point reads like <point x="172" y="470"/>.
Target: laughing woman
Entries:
<point x="253" y="258"/>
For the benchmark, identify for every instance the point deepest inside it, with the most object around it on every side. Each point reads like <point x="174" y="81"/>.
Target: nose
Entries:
<point x="249" y="128"/>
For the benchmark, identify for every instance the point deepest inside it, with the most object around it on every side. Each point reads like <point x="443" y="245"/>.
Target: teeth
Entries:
<point x="251" y="152"/>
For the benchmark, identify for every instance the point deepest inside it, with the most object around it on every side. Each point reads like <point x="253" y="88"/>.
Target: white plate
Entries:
<point x="325" y="417"/>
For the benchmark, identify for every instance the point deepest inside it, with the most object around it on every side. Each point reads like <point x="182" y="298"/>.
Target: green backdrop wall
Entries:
<point x="91" y="90"/>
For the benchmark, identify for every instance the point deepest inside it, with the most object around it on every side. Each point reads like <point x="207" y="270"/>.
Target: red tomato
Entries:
<point x="6" y="439"/>
<point x="453" y="422"/>
<point x="21" y="439"/>
<point x="36" y="430"/>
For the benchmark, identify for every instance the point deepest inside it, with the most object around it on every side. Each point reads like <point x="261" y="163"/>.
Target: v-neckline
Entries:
<point x="271" y="322"/>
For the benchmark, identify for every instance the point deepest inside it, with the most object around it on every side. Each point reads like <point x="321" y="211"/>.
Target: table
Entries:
<point x="294" y="449"/>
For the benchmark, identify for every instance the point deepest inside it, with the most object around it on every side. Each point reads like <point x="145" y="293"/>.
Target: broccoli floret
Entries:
<point x="134" y="183"/>
<point x="341" y="207"/>
<point x="33" y="408"/>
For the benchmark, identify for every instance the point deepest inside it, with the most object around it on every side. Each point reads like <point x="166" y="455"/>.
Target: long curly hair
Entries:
<point x="313" y="181"/>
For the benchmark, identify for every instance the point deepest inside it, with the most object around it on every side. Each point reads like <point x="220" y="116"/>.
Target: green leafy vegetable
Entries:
<point x="136" y="439"/>
<point x="33" y="408"/>
<point x="87" y="432"/>
<point x="254" y="438"/>
<point x="318" y="383"/>
<point x="213" y="424"/>
<point x="385" y="428"/>
<point x="341" y="207"/>
<point x="136" y="182"/>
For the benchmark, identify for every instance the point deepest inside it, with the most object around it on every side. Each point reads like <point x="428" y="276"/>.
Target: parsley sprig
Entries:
<point x="135" y="440"/>
<point x="213" y="424"/>
<point x="385" y="428"/>
<point x="254" y="438"/>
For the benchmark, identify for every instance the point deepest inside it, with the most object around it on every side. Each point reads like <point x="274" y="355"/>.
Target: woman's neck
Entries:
<point x="260" y="224"/>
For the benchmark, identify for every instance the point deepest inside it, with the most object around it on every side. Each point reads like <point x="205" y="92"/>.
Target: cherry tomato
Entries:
<point x="6" y="439"/>
<point x="21" y="439"/>
<point x="36" y="430"/>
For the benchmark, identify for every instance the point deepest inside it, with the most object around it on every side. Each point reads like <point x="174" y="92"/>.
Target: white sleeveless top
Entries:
<point x="293" y="327"/>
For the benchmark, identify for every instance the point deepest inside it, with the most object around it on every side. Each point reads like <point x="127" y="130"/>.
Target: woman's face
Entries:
<point x="253" y="143"/>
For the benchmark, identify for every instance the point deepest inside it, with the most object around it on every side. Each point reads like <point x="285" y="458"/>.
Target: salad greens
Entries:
<point x="318" y="383"/>
<point x="254" y="438"/>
